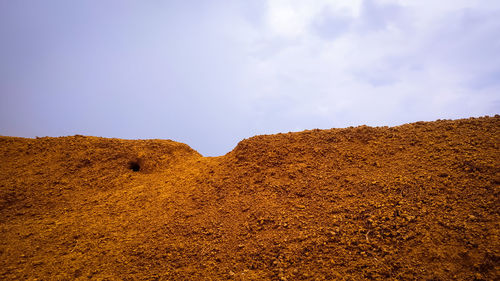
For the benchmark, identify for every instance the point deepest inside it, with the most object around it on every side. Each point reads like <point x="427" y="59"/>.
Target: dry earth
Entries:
<point x="414" y="202"/>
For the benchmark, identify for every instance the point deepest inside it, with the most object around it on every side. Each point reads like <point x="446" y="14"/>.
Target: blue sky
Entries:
<point x="210" y="73"/>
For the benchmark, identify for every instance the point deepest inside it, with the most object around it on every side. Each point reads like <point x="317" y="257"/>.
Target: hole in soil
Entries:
<point x="134" y="166"/>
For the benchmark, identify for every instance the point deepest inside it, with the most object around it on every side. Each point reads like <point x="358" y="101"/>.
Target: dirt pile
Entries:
<point x="418" y="201"/>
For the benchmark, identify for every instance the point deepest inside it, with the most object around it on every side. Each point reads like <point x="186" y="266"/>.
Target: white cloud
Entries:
<point x="373" y="73"/>
<point x="293" y="18"/>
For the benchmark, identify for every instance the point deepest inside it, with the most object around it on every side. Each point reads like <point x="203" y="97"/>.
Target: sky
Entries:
<point x="211" y="73"/>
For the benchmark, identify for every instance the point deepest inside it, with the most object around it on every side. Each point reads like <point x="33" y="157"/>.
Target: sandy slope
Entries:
<point x="418" y="201"/>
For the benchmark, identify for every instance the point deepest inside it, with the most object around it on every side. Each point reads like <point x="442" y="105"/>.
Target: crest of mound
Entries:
<point x="355" y="142"/>
<point x="93" y="158"/>
<point x="298" y="146"/>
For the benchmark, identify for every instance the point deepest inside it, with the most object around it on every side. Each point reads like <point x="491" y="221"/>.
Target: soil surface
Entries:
<point x="414" y="202"/>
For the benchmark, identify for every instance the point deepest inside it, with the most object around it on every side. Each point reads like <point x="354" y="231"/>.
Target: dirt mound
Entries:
<point x="418" y="201"/>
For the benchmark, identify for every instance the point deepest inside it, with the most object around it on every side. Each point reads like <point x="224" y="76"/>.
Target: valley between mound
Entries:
<point x="414" y="202"/>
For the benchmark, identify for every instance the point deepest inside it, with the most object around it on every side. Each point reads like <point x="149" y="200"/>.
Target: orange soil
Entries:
<point x="413" y="202"/>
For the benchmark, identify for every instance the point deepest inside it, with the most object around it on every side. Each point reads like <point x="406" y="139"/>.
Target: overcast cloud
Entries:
<point x="210" y="73"/>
